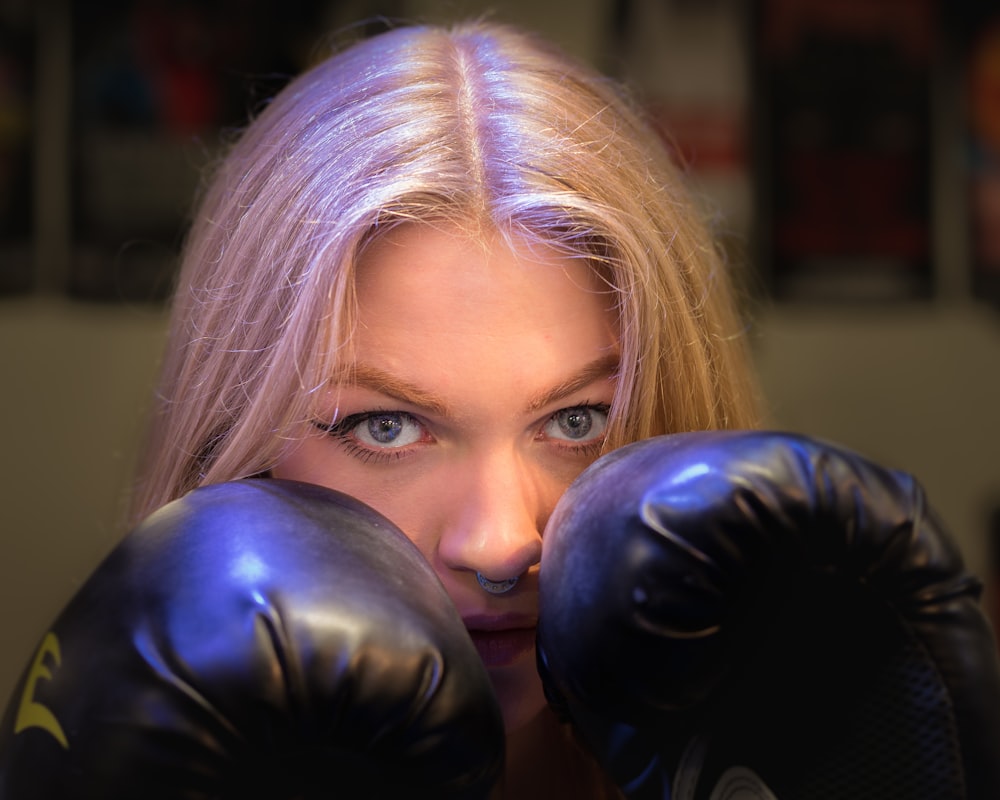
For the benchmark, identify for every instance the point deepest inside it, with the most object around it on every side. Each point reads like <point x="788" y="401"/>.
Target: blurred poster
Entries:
<point x="147" y="102"/>
<point x="984" y="144"/>
<point x="16" y="193"/>
<point x="844" y="147"/>
<point x="159" y="88"/>
<point x="687" y="62"/>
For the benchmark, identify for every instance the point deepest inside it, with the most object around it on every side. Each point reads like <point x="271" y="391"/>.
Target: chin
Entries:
<point x="519" y="691"/>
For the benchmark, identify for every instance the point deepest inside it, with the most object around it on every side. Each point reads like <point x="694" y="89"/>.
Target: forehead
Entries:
<point x="433" y="301"/>
<point x="443" y="264"/>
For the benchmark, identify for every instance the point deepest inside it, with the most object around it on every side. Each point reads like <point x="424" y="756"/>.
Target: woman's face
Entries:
<point x="479" y="390"/>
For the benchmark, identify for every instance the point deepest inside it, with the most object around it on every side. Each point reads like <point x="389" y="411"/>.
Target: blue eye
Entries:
<point x="379" y="430"/>
<point x="577" y="424"/>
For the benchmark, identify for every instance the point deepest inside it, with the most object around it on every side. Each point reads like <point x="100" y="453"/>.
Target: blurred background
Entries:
<point x="847" y="150"/>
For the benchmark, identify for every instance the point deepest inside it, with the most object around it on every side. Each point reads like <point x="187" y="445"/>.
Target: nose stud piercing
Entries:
<point x="496" y="587"/>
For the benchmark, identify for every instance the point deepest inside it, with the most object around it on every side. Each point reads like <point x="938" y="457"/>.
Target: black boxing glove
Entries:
<point x="256" y="639"/>
<point x="759" y="615"/>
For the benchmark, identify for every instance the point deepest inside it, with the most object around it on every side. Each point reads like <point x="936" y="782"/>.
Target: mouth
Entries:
<point x="501" y="647"/>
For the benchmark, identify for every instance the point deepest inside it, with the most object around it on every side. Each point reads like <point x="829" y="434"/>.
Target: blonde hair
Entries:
<point x="476" y="124"/>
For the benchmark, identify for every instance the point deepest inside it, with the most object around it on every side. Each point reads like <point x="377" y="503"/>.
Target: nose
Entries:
<point x="497" y="513"/>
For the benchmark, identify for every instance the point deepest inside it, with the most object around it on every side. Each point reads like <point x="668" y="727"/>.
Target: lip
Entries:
<point x="502" y="648"/>
<point x="501" y="641"/>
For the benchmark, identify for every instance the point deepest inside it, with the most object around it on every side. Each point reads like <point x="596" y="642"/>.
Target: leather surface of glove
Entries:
<point x="769" y="614"/>
<point x="256" y="639"/>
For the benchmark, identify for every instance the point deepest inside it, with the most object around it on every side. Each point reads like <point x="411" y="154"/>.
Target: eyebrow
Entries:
<point x="366" y="376"/>
<point x="378" y="380"/>
<point x="603" y="367"/>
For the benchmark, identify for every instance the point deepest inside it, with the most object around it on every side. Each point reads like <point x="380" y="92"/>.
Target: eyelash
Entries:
<point x="341" y="432"/>
<point x="590" y="447"/>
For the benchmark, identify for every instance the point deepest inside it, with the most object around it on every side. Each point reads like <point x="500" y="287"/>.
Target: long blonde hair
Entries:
<point x="477" y="124"/>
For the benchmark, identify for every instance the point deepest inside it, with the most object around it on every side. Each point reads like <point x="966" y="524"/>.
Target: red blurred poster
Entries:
<point x="984" y="124"/>
<point x="844" y="147"/>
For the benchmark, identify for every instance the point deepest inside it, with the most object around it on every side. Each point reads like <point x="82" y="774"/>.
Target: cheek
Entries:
<point x="404" y="503"/>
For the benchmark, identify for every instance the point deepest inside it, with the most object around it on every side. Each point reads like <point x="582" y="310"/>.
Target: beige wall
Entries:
<point x="76" y="379"/>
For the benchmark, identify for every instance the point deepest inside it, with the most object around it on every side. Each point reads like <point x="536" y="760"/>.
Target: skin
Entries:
<point x="479" y="391"/>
